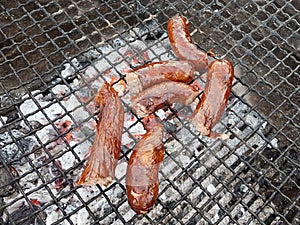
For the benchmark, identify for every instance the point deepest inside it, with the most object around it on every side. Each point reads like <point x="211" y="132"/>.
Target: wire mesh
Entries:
<point x="53" y="57"/>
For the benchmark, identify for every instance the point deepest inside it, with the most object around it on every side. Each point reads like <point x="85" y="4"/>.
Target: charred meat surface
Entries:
<point x="104" y="153"/>
<point x="142" y="171"/>
<point x="214" y="99"/>
<point x="182" y="45"/>
<point x="161" y="95"/>
<point x="157" y="72"/>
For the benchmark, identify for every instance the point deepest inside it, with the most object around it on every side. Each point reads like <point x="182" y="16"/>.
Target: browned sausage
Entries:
<point x="104" y="153"/>
<point x="161" y="95"/>
<point x="142" y="170"/>
<point x="214" y="99"/>
<point x="157" y="72"/>
<point x="182" y="45"/>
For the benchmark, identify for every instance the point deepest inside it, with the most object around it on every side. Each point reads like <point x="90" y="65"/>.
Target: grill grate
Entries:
<point x="52" y="53"/>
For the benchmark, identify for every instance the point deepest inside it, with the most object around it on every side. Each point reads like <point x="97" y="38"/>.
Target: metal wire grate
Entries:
<point x="53" y="57"/>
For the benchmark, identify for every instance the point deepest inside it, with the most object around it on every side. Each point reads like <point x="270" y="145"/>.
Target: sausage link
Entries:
<point x="142" y="183"/>
<point x="157" y="72"/>
<point x="214" y="99"/>
<point x="104" y="153"/>
<point x="182" y="45"/>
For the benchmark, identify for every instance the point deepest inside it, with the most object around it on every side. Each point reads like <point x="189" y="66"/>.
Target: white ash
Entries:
<point x="169" y="168"/>
<point x="184" y="160"/>
<point x="273" y="143"/>
<point x="214" y="217"/>
<point x="74" y="106"/>
<point x="81" y="218"/>
<point x="195" y="196"/>
<point x="126" y="211"/>
<point x="51" y="111"/>
<point x="69" y="160"/>
<point x="137" y="129"/>
<point x="3" y="120"/>
<point x="121" y="170"/>
<point x="184" y="183"/>
<point x="129" y="120"/>
<point x="161" y="114"/>
<point x="170" y="194"/>
<point x="156" y="212"/>
<point x="181" y="135"/>
<point x="86" y="193"/>
<point x="81" y="149"/>
<point x="43" y="134"/>
<point x="226" y="220"/>
<point x="70" y="68"/>
<point x="60" y="90"/>
<point x="211" y="189"/>
<point x="173" y="146"/>
<point x="53" y="214"/>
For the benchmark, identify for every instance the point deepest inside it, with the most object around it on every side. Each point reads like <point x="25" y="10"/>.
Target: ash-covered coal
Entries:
<point x="12" y="150"/>
<point x="27" y="216"/>
<point x="149" y="30"/>
<point x="7" y="185"/>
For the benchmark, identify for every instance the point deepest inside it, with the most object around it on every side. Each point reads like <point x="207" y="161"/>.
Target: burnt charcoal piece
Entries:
<point x="7" y="187"/>
<point x="182" y="45"/>
<point x="27" y="215"/>
<point x="10" y="151"/>
<point x="1" y="210"/>
<point x="142" y="170"/>
<point x="104" y="154"/>
<point x="157" y="72"/>
<point x="161" y="95"/>
<point x="214" y="99"/>
<point x="169" y="127"/>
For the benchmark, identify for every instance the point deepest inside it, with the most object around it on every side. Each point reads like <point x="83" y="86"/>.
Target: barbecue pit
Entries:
<point x="56" y="54"/>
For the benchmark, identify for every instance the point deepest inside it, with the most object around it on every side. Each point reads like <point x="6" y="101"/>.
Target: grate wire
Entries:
<point x="48" y="51"/>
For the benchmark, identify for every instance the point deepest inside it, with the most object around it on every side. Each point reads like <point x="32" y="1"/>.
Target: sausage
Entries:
<point x="104" y="153"/>
<point x="161" y="95"/>
<point x="142" y="170"/>
<point x="157" y="72"/>
<point x="182" y="45"/>
<point x="214" y="99"/>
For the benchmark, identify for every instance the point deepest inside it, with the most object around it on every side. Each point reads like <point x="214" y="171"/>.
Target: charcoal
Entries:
<point x="7" y="187"/>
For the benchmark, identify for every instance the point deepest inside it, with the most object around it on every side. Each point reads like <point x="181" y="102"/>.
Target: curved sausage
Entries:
<point x="142" y="170"/>
<point x="161" y="95"/>
<point x="182" y="45"/>
<point x="104" y="153"/>
<point x="214" y="99"/>
<point x="157" y="72"/>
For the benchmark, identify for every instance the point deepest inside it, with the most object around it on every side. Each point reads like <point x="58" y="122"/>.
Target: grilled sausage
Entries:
<point x="142" y="170"/>
<point x="161" y="95"/>
<point x="157" y="72"/>
<point x="214" y="99"/>
<point x="182" y="45"/>
<point x="104" y="153"/>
